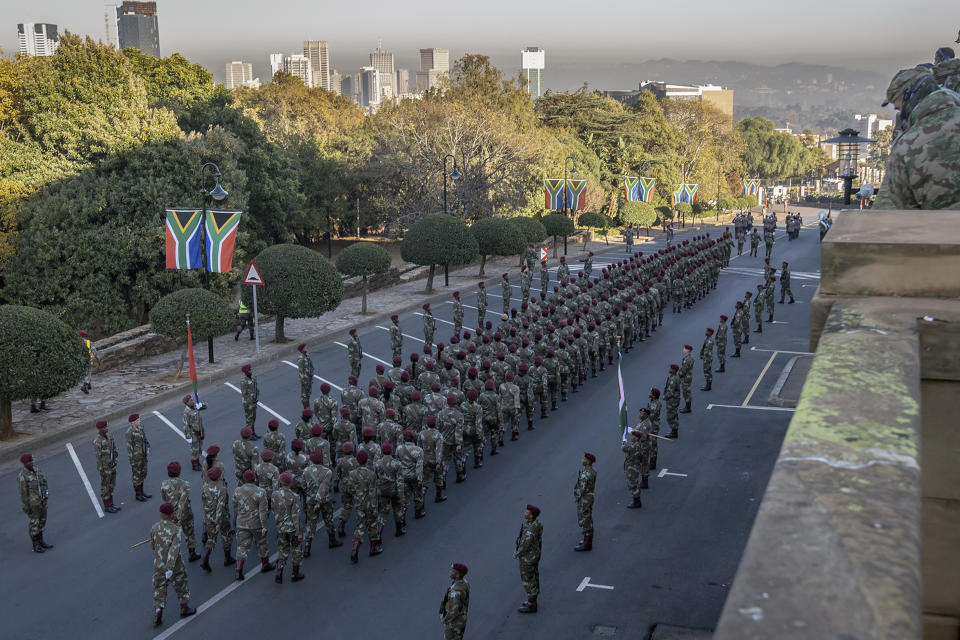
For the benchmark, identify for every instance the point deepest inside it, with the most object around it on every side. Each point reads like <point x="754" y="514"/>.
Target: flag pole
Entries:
<point x="622" y="399"/>
<point x="193" y="368"/>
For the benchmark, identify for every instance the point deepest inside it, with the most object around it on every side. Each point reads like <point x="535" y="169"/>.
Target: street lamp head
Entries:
<point x="573" y="169"/>
<point x="218" y="193"/>
<point x="455" y="174"/>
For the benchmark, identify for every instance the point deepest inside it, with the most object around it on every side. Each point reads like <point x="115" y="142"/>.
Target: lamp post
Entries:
<point x="454" y="175"/>
<point x="217" y="193"/>
<point x="848" y="149"/>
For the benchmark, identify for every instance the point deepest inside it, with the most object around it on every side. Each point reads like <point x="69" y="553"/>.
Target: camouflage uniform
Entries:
<point x="216" y="515"/>
<point x="505" y="291"/>
<point x="356" y="355"/>
<point x="528" y="553"/>
<point x="363" y="483"/>
<point x="245" y="455"/>
<point x="784" y="285"/>
<point x="274" y="441"/>
<point x="473" y="431"/>
<point x="686" y="377"/>
<point x="431" y="441"/>
<point x="450" y="425"/>
<point x="453" y="609"/>
<point x="736" y="326"/>
<point x="655" y="407"/>
<point x="250" y="394"/>
<point x="250" y="501"/>
<point x="671" y="396"/>
<point x="345" y="466"/>
<point x="193" y="430"/>
<point x="137" y="449"/>
<point x="176" y="491"/>
<point x="105" y="450"/>
<point x="165" y="542"/>
<point x="706" y="355"/>
<point x="489" y="403"/>
<point x="583" y="493"/>
<point x="633" y="462"/>
<point x="390" y="491"/>
<point x="286" y="511"/>
<point x="526" y="279"/>
<point x="305" y="371"/>
<point x="411" y="458"/>
<point x="544" y="278"/>
<point x="758" y="307"/>
<point x="457" y="316"/>
<point x="317" y="483"/>
<point x="754" y="243"/>
<point x="396" y="340"/>
<point x="768" y="298"/>
<point x="268" y="479"/>
<point x="481" y="305"/>
<point x="32" y="486"/>
<point x="429" y="326"/>
<point x="509" y="408"/>
<point x="372" y="412"/>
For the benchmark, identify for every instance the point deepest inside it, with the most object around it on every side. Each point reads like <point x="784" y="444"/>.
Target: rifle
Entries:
<point x="140" y="543"/>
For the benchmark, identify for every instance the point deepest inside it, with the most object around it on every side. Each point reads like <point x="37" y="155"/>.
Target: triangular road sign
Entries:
<point x="253" y="276"/>
<point x="543" y="254"/>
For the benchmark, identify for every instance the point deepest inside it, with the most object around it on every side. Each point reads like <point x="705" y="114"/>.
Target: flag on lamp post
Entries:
<point x="193" y="367"/>
<point x="622" y="406"/>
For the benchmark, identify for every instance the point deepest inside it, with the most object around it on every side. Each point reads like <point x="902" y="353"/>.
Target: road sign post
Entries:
<point x="253" y="278"/>
<point x="543" y="254"/>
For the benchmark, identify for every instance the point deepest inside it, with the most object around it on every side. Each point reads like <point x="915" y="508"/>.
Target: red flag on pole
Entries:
<point x="193" y="367"/>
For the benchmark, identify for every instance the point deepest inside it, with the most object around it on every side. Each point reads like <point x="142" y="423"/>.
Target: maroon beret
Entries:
<point x="415" y="394"/>
<point x="101" y="424"/>
<point x="426" y="307"/>
<point x="267" y="455"/>
<point x="534" y="509"/>
<point x="26" y="458"/>
<point x="472" y="395"/>
<point x="379" y="368"/>
<point x="409" y="434"/>
<point x="394" y="317"/>
<point x="246" y="432"/>
<point x="451" y="399"/>
<point x="435" y="386"/>
<point x="386" y="448"/>
<point x="296" y="444"/>
<point x="723" y="317"/>
<point x="316" y="430"/>
<point x="213" y="450"/>
<point x="173" y="467"/>
<point x="430" y="420"/>
<point x="368" y="432"/>
<point x="710" y="331"/>
<point x="590" y="457"/>
<point x="688" y="347"/>
<point x="214" y="473"/>
<point x="249" y="475"/>
<point x="456" y="294"/>
<point x="353" y="332"/>
<point x="286" y="477"/>
<point x="186" y="398"/>
<point x="362" y="456"/>
<point x="133" y="417"/>
<point x="316" y="456"/>
<point x="352" y="379"/>
<point x="344" y="411"/>
<point x="245" y="368"/>
<point x="460" y="567"/>
<point x="347" y="447"/>
<point x="166" y="509"/>
<point x="83" y="333"/>
<point x="307" y="413"/>
<point x="302" y="347"/>
<point x="674" y="367"/>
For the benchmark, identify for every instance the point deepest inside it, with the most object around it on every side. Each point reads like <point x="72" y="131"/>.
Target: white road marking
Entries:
<point x="735" y="406"/>
<point x="223" y="593"/>
<point x="586" y="583"/>
<point x="337" y="387"/>
<point x="262" y="406"/>
<point x="85" y="480"/>
<point x="405" y="335"/>
<point x="438" y="319"/>
<point x="170" y="424"/>
<point x="664" y="472"/>
<point x="795" y="353"/>
<point x="779" y="322"/>
<point x="389" y="364"/>
<point x="471" y="307"/>
<point x="501" y="297"/>
<point x="756" y="384"/>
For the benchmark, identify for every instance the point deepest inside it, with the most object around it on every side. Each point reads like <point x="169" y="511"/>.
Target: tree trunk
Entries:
<point x="279" y="329"/>
<point x="363" y="305"/>
<point x="483" y="263"/>
<point x="554" y="246"/>
<point x="183" y="356"/>
<point x="430" y="274"/>
<point x="6" y="419"/>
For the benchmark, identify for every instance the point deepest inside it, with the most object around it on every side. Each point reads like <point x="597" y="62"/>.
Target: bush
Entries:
<point x="639" y="214"/>
<point x="298" y="283"/>
<point x="497" y="237"/>
<point x="725" y="204"/>
<point x="210" y="315"/>
<point x="363" y="259"/>
<point x="438" y="239"/>
<point x="557" y="225"/>
<point x="532" y="229"/>
<point x="684" y="208"/>
<point x="592" y="220"/>
<point x="40" y="356"/>
<point x="665" y="213"/>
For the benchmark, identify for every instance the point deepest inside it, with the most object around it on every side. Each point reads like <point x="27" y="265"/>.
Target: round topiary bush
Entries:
<point x="438" y="239"/>
<point x="497" y="237"/>
<point x="557" y="225"/>
<point x="533" y="230"/>
<point x="210" y="315"/>
<point x="639" y="214"/>
<point x="363" y="259"/>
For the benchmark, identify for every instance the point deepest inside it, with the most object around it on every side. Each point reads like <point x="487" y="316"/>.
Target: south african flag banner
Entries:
<point x="553" y="194"/>
<point x="686" y="193"/>
<point x="576" y="194"/>
<point x="221" y="230"/>
<point x="183" y="248"/>
<point x="645" y="189"/>
<point x="631" y="189"/>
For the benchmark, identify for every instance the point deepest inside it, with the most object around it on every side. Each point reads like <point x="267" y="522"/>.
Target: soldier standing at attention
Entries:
<point x="506" y="291"/>
<point x="429" y="324"/>
<point x="456" y="601"/>
<point x="457" y="314"/>
<point x="745" y="317"/>
<point x="672" y="397"/>
<point x="33" y="500"/>
<point x="396" y="337"/>
<point x="768" y="297"/>
<point x="286" y="511"/>
<point x="193" y="430"/>
<point x="481" y="303"/>
<point x="305" y="371"/>
<point x="216" y="518"/>
<point x="754" y="243"/>
<point x="654" y="405"/>
<point x="168" y="565"/>
<point x="769" y="227"/>
<point x="686" y="376"/>
<point x="355" y="351"/>
<point x="317" y="484"/>
<point x="721" y="342"/>
<point x="177" y="492"/>
<point x="588" y="264"/>
<point x="250" y="501"/>
<point x="244" y="454"/>
<point x="363" y="483"/>
<point x="563" y="271"/>
<point x="706" y="355"/>
<point x="583" y="494"/>
<point x="528" y="553"/>
<point x="137" y="449"/>
<point x="276" y="442"/>
<point x="644" y="428"/>
<point x="737" y="324"/>
<point x="758" y="309"/>
<point x="785" y="283"/>
<point x="250" y="394"/>
<point x="632" y="463"/>
<point x="544" y="279"/>
<point x="526" y="278"/>
<point x="529" y="256"/>
<point x="628" y="238"/>
<point x="105" y="450"/>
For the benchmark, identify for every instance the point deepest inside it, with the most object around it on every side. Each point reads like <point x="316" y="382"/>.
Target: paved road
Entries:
<point x="671" y="562"/>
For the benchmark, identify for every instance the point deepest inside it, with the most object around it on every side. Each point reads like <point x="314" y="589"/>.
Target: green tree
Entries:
<point x="598" y="221"/>
<point x="768" y="153"/>
<point x="532" y="229"/>
<point x="40" y="356"/>
<point x="725" y="204"/>
<point x="557" y="225"/>
<point x="497" y="237"/>
<point x="438" y="239"/>
<point x="363" y="259"/>
<point x="298" y="283"/>
<point x="210" y="315"/>
<point x="880" y="149"/>
<point x="639" y="214"/>
<point x="684" y="209"/>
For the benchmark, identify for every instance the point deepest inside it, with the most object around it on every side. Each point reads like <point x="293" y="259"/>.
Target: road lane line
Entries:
<point x="170" y="424"/>
<point x="736" y="406"/>
<point x="757" y="383"/>
<point x="794" y="353"/>
<point x="405" y="335"/>
<point x="471" y="307"/>
<point x="437" y="319"/>
<point x="389" y="364"/>
<point x="262" y="406"/>
<point x="86" y="481"/>
<point x="338" y="388"/>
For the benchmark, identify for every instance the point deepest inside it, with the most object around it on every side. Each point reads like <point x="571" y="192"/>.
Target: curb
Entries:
<point x="775" y="398"/>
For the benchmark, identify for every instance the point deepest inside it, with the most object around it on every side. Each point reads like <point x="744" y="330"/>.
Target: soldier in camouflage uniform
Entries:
<point x="528" y="395"/>
<point x="317" y="442"/>
<point x="530" y="256"/>
<point x="509" y="393"/>
<point x="737" y="326"/>
<point x="583" y="494"/>
<point x="654" y="405"/>
<point x="768" y="297"/>
<point x="396" y="337"/>
<point x="632" y="462"/>
<point x="745" y="317"/>
<point x="193" y="430"/>
<point x="276" y="442"/>
<point x="526" y="279"/>
<point x="429" y="324"/>
<point x="168" y="566"/>
<point x="244" y="454"/>
<point x="456" y="601"/>
<point x="216" y="518"/>
<point x="32" y="486"/>
<point x="481" y="303"/>
<point x="250" y="501"/>
<point x="450" y="425"/>
<point x="489" y="402"/>
<point x="754" y="243"/>
<point x="176" y="491"/>
<point x="296" y="462"/>
<point x="706" y="355"/>
<point x="588" y="264"/>
<point x="785" y="283"/>
<point x="457" y="314"/>
<point x="363" y="483"/>
<point x="721" y="342"/>
<point x="686" y="376"/>
<point x="527" y="551"/>
<point x="473" y="428"/>
<point x="105" y="450"/>
<point x="346" y="463"/>
<point x="411" y="458"/>
<point x="671" y="396"/>
<point x="390" y="491"/>
<point x="305" y="371"/>
<point x="355" y="352"/>
<point x="544" y="279"/>
<point x="758" y="308"/>
<point x="138" y="448"/>
<point x="431" y="441"/>
<point x="250" y="395"/>
<point x="506" y="292"/>
<point x="769" y="228"/>
<point x="268" y="475"/>
<point x="286" y="511"/>
<point x="317" y="484"/>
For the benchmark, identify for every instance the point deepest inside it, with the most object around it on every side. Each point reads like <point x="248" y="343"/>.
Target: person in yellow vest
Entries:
<point x="94" y="359"/>
<point x="245" y="317"/>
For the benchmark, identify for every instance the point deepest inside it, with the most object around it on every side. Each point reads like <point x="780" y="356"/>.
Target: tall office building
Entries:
<point x="37" y="38"/>
<point x="382" y="61"/>
<point x="276" y="63"/>
<point x="531" y="67"/>
<point x="318" y="53"/>
<point x="299" y="66"/>
<point x="434" y="64"/>
<point x="402" y="81"/>
<point x="240" y="74"/>
<point x="348" y="86"/>
<point x="369" y="87"/>
<point x="137" y="27"/>
<point x="336" y="82"/>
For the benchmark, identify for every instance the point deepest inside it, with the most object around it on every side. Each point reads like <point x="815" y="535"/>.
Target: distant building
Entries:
<point x="434" y="65"/>
<point x="276" y="63"/>
<point x="348" y="87"/>
<point x="402" y="81"/>
<point x="383" y="62"/>
<point x="240" y="74"/>
<point x="318" y="53"/>
<point x="531" y="67"/>
<point x="368" y="89"/>
<point x="299" y="66"/>
<point x="869" y="124"/>
<point x="37" y="38"/>
<point x="336" y="82"/>
<point x="718" y="96"/>
<point x="137" y="27"/>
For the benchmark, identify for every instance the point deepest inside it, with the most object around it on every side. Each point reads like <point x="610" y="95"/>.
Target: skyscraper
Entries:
<point x="336" y="82"/>
<point x="318" y="53"/>
<point x="137" y="27"/>
<point x="531" y="67"/>
<point x="240" y="74"/>
<point x="369" y="89"/>
<point x="299" y="66"/>
<point x="37" y="38"/>
<point x="402" y="81"/>
<point x="434" y="63"/>
<point x="276" y="64"/>
<point x="382" y="61"/>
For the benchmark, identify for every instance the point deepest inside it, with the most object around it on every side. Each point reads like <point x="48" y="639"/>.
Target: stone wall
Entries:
<point x="129" y="346"/>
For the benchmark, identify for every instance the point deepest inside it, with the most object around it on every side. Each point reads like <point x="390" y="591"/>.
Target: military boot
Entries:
<point x="109" y="507"/>
<point x="461" y="476"/>
<point x="42" y="543"/>
<point x="746" y="337"/>
<point x="341" y="528"/>
<point x="375" y="547"/>
<point x="529" y="425"/>
<point x="480" y="457"/>
<point x="355" y="553"/>
<point x="279" y="577"/>
<point x="653" y="463"/>
<point x="707" y="387"/>
<point x="493" y="450"/>
<point x="158" y="616"/>
<point x="723" y="368"/>
<point x="398" y="529"/>
<point x="737" y="354"/>
<point x="759" y="329"/>
<point x="143" y="494"/>
<point x="791" y="302"/>
<point x="227" y="558"/>
<point x="514" y="436"/>
<point x="674" y="434"/>
<point x="297" y="576"/>
<point x="770" y="318"/>
<point x="35" y="541"/>
<point x="420" y="513"/>
<point x="138" y="493"/>
<point x="194" y="556"/>
<point x="332" y="542"/>
<point x="266" y="565"/>
<point x="636" y="504"/>
<point x="195" y="465"/>
<point x="586" y="544"/>
<point x="240" y="569"/>
<point x="440" y="497"/>
<point x="530" y="606"/>
<point x="686" y="408"/>
<point x="476" y="460"/>
<point x="186" y="610"/>
<point x="644" y="482"/>
<point x="205" y="565"/>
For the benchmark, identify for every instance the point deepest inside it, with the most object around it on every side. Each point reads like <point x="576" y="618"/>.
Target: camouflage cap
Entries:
<point x="899" y="84"/>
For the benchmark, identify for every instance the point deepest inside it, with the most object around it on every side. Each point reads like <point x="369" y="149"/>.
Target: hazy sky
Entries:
<point x="881" y="35"/>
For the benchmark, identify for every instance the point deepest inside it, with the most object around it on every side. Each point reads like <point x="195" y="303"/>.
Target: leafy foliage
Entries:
<point x="639" y="214"/>
<point x="594" y="220"/>
<point x="684" y="208"/>
<point x="557" y="224"/>
<point x="532" y="229"/>
<point x="498" y="237"/>
<point x="363" y="259"/>
<point x="439" y="239"/>
<point x="210" y="315"/>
